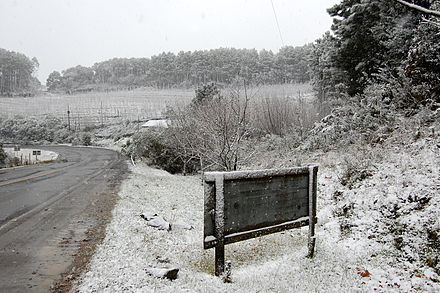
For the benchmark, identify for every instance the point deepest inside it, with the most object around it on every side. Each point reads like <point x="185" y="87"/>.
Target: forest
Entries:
<point x="372" y="42"/>
<point x="186" y="69"/>
<point x="16" y="73"/>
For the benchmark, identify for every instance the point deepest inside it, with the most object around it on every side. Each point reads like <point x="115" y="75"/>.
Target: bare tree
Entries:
<point x="213" y="130"/>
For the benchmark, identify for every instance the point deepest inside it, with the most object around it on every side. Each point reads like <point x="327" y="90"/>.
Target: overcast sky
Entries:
<point x="66" y="33"/>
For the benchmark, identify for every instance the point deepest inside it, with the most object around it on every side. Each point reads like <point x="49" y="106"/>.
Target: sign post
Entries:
<point x="241" y="205"/>
<point x="36" y="154"/>
<point x="219" y="225"/>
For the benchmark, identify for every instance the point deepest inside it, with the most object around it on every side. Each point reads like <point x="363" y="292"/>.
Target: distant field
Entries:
<point x="107" y="107"/>
<point x="97" y="107"/>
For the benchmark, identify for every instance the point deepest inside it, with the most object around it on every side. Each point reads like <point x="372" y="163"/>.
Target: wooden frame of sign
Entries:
<point x="240" y="205"/>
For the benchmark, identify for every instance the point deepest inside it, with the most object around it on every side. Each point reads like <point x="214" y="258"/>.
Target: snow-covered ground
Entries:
<point x="353" y="262"/>
<point x="26" y="153"/>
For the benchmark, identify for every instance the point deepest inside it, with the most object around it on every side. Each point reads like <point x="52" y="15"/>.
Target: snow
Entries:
<point x="210" y="238"/>
<point x="44" y="157"/>
<point x="277" y="262"/>
<point x="170" y="273"/>
<point x="156" y="221"/>
<point x="156" y="123"/>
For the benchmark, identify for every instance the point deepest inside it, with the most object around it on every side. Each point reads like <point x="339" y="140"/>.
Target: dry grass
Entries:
<point x="140" y="104"/>
<point x="97" y="107"/>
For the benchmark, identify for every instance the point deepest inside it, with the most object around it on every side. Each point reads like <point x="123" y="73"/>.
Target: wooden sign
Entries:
<point x="36" y="153"/>
<point x="241" y="205"/>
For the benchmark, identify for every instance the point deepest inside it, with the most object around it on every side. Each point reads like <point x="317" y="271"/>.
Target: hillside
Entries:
<point x="378" y="227"/>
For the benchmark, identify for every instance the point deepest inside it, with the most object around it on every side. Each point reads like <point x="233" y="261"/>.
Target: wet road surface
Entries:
<point x="46" y="212"/>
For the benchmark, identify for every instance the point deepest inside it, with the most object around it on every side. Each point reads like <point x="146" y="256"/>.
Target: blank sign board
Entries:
<point x="245" y="204"/>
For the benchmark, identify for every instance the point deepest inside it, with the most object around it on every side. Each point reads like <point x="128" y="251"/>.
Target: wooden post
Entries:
<point x="313" y="174"/>
<point x="219" y="225"/>
<point x="68" y="117"/>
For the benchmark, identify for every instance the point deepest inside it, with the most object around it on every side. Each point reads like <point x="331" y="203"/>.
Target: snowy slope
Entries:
<point x="362" y="259"/>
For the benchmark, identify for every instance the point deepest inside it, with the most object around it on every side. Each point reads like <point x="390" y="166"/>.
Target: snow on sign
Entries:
<point x="240" y="205"/>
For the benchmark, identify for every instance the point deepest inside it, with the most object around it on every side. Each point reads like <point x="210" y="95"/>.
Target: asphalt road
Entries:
<point x="47" y="210"/>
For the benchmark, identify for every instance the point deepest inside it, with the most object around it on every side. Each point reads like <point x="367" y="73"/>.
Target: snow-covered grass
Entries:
<point x="25" y="153"/>
<point x="97" y="107"/>
<point x="272" y="263"/>
<point x="353" y="262"/>
<point x="378" y="224"/>
<point x="394" y="209"/>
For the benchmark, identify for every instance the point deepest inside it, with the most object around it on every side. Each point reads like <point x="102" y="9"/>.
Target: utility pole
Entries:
<point x="68" y="117"/>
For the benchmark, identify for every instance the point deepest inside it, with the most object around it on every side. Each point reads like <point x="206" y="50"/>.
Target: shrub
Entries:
<point x="3" y="156"/>
<point x="206" y="93"/>
<point x="284" y="115"/>
<point x="361" y="119"/>
<point x="358" y="164"/>
<point x="86" y="139"/>
<point x="159" y="150"/>
<point x="24" y="130"/>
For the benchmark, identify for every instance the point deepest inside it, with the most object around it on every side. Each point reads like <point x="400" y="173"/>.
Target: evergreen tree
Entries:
<point x="373" y="38"/>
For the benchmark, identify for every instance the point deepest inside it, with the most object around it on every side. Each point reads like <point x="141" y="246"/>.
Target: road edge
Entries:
<point x="86" y="250"/>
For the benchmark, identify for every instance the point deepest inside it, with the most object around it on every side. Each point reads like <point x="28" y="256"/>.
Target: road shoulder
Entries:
<point x="98" y="215"/>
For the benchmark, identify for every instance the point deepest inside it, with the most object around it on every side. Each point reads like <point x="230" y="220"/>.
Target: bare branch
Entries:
<point x="425" y="20"/>
<point x="420" y="8"/>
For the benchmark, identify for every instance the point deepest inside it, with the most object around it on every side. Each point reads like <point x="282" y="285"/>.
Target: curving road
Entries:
<point x="48" y="211"/>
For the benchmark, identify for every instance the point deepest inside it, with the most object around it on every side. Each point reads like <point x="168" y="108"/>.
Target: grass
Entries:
<point x="87" y="109"/>
<point x="96" y="107"/>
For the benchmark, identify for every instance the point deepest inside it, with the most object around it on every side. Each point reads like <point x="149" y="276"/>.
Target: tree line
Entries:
<point x="186" y="69"/>
<point x="392" y="45"/>
<point x="16" y="73"/>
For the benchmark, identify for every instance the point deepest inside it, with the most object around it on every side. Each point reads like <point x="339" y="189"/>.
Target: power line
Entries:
<point x="278" y="25"/>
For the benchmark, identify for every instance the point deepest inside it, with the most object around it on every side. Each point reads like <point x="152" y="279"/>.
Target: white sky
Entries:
<point x="66" y="33"/>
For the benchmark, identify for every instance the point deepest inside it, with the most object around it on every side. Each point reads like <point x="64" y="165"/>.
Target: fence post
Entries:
<point x="68" y="117"/>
